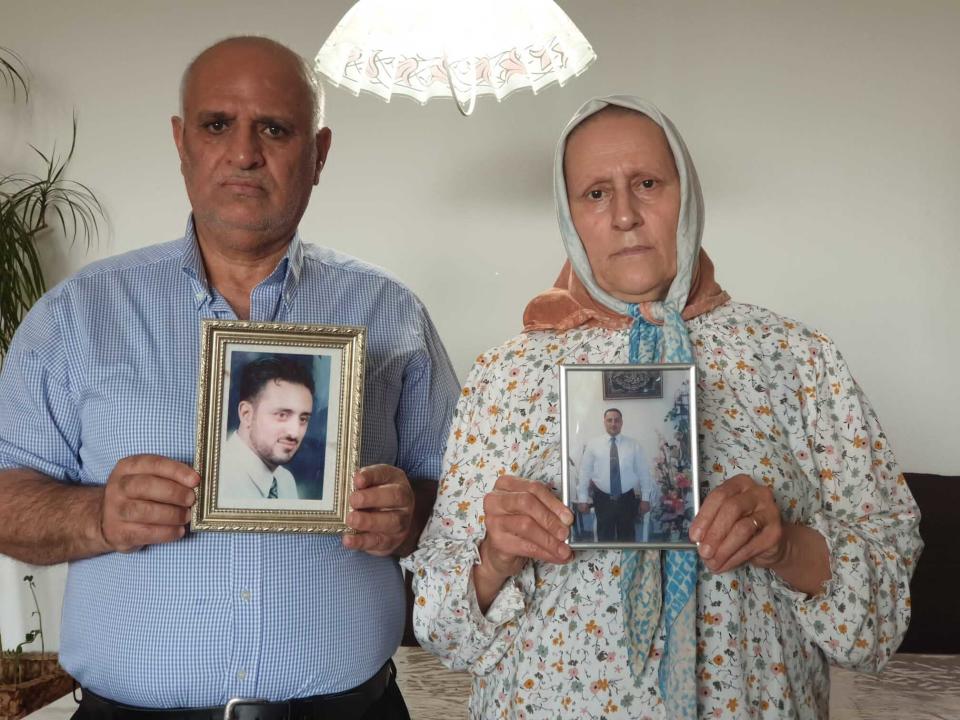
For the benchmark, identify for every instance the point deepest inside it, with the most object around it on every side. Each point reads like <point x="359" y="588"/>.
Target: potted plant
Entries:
<point x="31" y="205"/>
<point x="30" y="680"/>
<point x="672" y="471"/>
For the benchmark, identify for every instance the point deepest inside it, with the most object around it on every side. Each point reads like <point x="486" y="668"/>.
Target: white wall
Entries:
<point x="825" y="133"/>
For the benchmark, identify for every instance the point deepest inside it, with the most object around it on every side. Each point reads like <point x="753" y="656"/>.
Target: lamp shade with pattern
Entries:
<point x="462" y="49"/>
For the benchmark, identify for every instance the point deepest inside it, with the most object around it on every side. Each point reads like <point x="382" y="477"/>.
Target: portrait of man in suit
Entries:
<point x="615" y="479"/>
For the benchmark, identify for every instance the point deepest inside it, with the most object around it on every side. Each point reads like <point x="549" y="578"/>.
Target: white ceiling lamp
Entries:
<point x="453" y="48"/>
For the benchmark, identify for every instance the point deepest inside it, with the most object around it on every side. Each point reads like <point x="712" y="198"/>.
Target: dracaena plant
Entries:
<point x="33" y="205"/>
<point x="15" y="670"/>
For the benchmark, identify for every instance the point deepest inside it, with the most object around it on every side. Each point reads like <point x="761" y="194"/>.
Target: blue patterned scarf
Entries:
<point x="641" y="589"/>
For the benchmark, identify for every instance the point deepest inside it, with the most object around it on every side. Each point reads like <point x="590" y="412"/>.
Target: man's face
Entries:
<point x="274" y="422"/>
<point x="624" y="196"/>
<point x="613" y="423"/>
<point x="249" y="153"/>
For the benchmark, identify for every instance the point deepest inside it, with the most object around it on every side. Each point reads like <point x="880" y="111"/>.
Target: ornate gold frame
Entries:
<point x="216" y="336"/>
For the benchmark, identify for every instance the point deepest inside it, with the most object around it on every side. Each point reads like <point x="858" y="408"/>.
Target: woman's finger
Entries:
<point x="740" y="535"/>
<point x="714" y="501"/>
<point x="763" y="542"/>
<point x="526" y="504"/>
<point x="511" y="483"/>
<point x="725" y="518"/>
<point x="513" y="537"/>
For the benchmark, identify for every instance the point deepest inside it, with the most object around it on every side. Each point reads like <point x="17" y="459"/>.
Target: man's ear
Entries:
<point x="176" y="124"/>
<point x="323" y="140"/>
<point x="245" y="411"/>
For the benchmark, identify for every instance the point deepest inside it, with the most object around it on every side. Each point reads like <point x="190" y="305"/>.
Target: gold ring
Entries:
<point x="756" y="524"/>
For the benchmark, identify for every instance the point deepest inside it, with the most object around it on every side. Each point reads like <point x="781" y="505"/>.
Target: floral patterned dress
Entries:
<point x="777" y="402"/>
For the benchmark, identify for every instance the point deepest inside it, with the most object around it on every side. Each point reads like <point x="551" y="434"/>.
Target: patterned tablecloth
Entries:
<point x="918" y="687"/>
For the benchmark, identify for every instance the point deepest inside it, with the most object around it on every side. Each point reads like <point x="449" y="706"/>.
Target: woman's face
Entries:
<point x="624" y="196"/>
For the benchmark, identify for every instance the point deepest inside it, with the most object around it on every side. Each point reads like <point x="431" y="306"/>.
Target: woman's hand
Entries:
<point x="739" y="523"/>
<point x="524" y="520"/>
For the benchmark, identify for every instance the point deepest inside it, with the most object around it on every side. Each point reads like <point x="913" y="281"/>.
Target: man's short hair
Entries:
<point x="610" y="410"/>
<point x="255" y="375"/>
<point x="310" y="77"/>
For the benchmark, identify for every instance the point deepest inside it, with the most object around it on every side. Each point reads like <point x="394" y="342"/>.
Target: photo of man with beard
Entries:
<point x="275" y="405"/>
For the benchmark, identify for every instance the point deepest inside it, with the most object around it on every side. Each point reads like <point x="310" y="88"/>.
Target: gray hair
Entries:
<point x="311" y="79"/>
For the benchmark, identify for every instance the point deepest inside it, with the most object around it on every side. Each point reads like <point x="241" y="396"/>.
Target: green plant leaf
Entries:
<point x="13" y="72"/>
<point x="26" y="201"/>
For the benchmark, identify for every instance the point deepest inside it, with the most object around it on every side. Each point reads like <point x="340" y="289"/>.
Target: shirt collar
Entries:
<point x="191" y="263"/>
<point x="288" y="270"/>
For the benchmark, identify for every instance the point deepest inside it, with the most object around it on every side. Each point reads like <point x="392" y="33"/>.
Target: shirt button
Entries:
<point x="245" y="595"/>
<point x="241" y="674"/>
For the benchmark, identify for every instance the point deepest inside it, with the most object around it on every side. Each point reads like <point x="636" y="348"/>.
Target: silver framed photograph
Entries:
<point x="630" y="474"/>
<point x="278" y="426"/>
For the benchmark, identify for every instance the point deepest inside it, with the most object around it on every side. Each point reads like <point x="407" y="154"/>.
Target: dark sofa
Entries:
<point x="935" y="588"/>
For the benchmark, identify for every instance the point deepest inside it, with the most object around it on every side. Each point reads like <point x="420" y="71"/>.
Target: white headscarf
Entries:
<point x="689" y="223"/>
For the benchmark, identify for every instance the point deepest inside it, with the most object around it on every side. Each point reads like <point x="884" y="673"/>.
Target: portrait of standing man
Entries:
<point x="615" y="478"/>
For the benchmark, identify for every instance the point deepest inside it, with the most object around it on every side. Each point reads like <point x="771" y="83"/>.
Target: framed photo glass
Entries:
<point x="278" y="426"/>
<point x="629" y="440"/>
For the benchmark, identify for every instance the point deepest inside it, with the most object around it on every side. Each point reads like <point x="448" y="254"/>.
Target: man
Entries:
<point x="97" y="422"/>
<point x="275" y="405"/>
<point x="615" y="469"/>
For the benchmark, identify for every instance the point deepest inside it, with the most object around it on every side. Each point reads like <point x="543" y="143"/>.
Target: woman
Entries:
<point x="807" y="535"/>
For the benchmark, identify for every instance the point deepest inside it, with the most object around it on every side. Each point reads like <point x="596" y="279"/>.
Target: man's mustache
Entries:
<point x="245" y="179"/>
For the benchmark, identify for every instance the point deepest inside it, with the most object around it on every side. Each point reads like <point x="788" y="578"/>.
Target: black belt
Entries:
<point x="629" y="493"/>
<point x="346" y="705"/>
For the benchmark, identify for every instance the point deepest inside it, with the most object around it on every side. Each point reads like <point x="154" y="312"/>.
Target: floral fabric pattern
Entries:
<point x="775" y="401"/>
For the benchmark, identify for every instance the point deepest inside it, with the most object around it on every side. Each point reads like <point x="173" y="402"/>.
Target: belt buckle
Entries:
<point x="233" y="703"/>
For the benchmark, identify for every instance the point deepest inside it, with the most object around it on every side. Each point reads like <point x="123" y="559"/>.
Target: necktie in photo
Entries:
<point x="614" y="469"/>
<point x="273" y="488"/>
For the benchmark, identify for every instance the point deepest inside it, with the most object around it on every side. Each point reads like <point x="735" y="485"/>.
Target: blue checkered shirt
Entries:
<point x="105" y="366"/>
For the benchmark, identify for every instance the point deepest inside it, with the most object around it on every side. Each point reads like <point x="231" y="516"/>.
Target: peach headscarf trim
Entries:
<point x="576" y="297"/>
<point x="568" y="304"/>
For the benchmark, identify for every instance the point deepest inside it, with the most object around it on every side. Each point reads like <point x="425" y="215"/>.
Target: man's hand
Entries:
<point x="643" y="507"/>
<point x="382" y="508"/>
<point x="739" y="523"/>
<point x="146" y="500"/>
<point x="583" y="508"/>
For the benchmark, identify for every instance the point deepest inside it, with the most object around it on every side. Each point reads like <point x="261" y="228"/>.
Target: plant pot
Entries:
<point x="42" y="682"/>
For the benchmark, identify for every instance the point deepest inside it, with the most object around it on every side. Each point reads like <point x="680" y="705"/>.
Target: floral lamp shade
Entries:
<point x="453" y="48"/>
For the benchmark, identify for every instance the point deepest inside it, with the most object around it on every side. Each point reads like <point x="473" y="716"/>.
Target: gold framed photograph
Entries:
<point x="630" y="474"/>
<point x="278" y="426"/>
